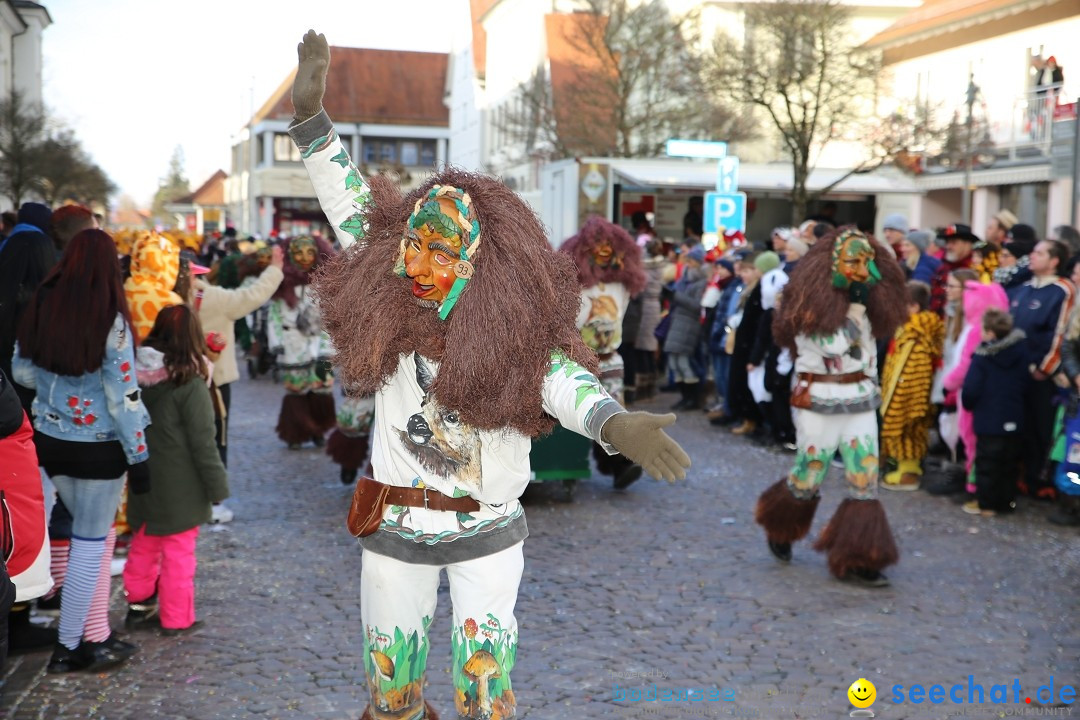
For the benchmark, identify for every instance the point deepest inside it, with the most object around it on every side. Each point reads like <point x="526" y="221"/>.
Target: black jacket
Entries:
<point x="995" y="384"/>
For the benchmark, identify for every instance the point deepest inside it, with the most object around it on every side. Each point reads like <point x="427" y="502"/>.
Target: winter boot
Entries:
<point x="685" y="396"/>
<point x="785" y="517"/>
<point x="24" y="636"/>
<point x="695" y="393"/>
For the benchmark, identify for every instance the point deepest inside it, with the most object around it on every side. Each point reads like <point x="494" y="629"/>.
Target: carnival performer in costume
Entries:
<point x="847" y="293"/>
<point x="450" y="306"/>
<point x="295" y="332"/>
<point x="611" y="272"/>
<point x="349" y="442"/>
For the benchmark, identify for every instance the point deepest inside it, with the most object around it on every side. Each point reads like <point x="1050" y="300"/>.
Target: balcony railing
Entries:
<point x="1030" y="129"/>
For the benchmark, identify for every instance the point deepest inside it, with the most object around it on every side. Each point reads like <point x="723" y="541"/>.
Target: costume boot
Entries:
<point x="1067" y="512"/>
<point x="294" y="424"/>
<point x="859" y="542"/>
<point x="785" y="517"/>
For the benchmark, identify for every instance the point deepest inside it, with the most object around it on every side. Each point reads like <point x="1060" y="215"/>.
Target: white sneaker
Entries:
<point x="221" y="514"/>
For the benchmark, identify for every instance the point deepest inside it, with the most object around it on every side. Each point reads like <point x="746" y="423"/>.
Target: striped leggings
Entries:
<point x="93" y="506"/>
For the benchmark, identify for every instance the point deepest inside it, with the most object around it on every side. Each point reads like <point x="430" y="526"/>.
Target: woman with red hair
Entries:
<point x="76" y="349"/>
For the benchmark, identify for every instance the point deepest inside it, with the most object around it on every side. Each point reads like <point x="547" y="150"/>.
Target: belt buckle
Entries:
<point x="426" y="507"/>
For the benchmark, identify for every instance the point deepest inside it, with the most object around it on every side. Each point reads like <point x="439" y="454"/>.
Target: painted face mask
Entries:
<point x="303" y="252"/>
<point x="604" y="256"/>
<point x="853" y="260"/>
<point x="439" y="247"/>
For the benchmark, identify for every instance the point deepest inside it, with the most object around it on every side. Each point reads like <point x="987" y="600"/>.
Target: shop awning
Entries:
<point x="754" y="177"/>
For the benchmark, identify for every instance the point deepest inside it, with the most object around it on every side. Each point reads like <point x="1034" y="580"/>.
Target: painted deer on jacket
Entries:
<point x="437" y="437"/>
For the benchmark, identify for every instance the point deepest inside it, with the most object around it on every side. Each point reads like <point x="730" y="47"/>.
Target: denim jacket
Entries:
<point x="98" y="406"/>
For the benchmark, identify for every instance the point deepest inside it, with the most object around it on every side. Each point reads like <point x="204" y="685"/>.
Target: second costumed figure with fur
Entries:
<point x="295" y="333"/>
<point x="846" y="293"/>
<point x="611" y="272"/>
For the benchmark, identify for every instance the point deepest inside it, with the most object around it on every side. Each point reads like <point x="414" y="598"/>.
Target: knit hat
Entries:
<point x="1006" y="219"/>
<point x="896" y="221"/>
<point x="767" y="261"/>
<point x="36" y="214"/>
<point x="696" y="253"/>
<point x="798" y="246"/>
<point x="1019" y="248"/>
<point x="920" y="239"/>
<point x="727" y="265"/>
<point x="1023" y="233"/>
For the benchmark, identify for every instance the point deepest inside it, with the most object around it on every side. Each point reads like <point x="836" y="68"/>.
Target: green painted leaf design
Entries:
<point x="342" y="158"/>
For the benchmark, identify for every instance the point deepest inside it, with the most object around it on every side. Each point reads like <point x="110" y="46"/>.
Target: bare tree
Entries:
<point x="797" y="65"/>
<point x="22" y="128"/>
<point x="627" y="80"/>
<point x="64" y="171"/>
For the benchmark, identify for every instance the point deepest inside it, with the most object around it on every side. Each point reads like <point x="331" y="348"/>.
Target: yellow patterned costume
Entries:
<point x="905" y="403"/>
<point x="155" y="264"/>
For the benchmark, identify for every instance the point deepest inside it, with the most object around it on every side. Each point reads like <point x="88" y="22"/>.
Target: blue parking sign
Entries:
<point x="725" y="210"/>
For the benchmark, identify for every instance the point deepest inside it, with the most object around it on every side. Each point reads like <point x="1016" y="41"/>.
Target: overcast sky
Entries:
<point x="136" y="78"/>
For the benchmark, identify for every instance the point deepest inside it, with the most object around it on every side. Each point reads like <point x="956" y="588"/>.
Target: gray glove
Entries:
<point x="638" y="436"/>
<point x="309" y="86"/>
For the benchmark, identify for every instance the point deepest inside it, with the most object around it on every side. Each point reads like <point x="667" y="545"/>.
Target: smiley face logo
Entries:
<point x="862" y="693"/>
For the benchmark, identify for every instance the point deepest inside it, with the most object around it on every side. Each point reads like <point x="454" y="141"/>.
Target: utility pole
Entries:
<point x="972" y="94"/>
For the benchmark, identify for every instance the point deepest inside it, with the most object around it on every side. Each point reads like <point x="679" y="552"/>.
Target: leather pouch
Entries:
<point x="800" y="394"/>
<point x="366" y="511"/>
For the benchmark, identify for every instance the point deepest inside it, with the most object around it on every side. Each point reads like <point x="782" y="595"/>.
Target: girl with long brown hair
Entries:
<point x="76" y="349"/>
<point x="160" y="573"/>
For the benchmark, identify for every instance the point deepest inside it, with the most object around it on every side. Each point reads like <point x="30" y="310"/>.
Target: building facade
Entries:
<point x="387" y="106"/>
<point x="1020" y="155"/>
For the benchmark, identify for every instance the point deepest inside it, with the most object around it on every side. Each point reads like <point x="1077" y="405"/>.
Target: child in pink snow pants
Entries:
<point x="186" y="470"/>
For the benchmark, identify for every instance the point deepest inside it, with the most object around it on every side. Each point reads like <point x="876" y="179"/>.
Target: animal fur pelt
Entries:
<point x="348" y="452"/>
<point x="626" y="267"/>
<point x="785" y="517"/>
<point x="858" y="536"/>
<point x="521" y="302"/>
<point x="294" y="421"/>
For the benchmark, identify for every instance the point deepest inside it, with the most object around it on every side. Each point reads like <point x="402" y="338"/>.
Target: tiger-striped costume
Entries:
<point x="905" y="404"/>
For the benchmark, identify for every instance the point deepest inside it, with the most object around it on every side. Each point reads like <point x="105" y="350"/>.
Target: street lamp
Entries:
<point x="972" y="94"/>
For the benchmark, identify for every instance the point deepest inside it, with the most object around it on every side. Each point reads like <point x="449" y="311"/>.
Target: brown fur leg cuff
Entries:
<point x="348" y="452"/>
<point x="321" y="407"/>
<point x="294" y="422"/>
<point x="784" y="517"/>
<point x="858" y="536"/>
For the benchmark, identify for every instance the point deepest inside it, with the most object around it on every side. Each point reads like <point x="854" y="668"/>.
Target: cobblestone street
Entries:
<point x="664" y="585"/>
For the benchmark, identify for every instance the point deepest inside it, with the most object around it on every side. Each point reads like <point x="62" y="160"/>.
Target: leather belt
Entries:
<point x="842" y="379"/>
<point x="430" y="499"/>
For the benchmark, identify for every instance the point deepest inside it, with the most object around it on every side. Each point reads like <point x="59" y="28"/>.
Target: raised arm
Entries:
<point x="343" y="193"/>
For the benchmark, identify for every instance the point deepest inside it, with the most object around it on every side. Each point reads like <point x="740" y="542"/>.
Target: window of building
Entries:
<point x="285" y="149"/>
<point x="388" y="151"/>
<point x="427" y="153"/>
<point x="410" y="152"/>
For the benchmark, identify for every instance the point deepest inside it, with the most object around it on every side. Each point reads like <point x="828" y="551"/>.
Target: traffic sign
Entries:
<point x="727" y="174"/>
<point x="725" y="210"/>
<point x="696" y="148"/>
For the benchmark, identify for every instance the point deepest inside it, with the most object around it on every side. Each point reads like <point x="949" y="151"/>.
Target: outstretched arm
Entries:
<point x="342" y="190"/>
<point x="576" y="398"/>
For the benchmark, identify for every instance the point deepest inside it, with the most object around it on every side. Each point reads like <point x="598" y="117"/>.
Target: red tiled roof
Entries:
<point x="211" y="192"/>
<point x="938" y="14"/>
<point x="396" y="87"/>
<point x="477" y="9"/>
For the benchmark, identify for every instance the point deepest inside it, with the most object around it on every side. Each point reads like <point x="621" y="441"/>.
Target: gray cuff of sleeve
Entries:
<point x="309" y="131"/>
<point x="601" y="414"/>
